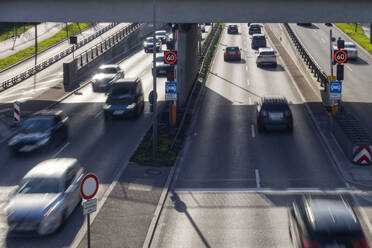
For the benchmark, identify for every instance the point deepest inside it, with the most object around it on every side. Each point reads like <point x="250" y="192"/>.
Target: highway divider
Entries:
<point x="48" y="62"/>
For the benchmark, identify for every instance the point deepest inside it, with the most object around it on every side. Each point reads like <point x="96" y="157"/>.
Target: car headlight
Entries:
<point x="131" y="106"/>
<point x="13" y="141"/>
<point x="144" y="44"/>
<point x="94" y="81"/>
<point x="106" y="106"/>
<point x="43" y="141"/>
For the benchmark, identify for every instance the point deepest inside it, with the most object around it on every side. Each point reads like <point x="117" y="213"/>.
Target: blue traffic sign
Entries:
<point x="170" y="91"/>
<point x="335" y="87"/>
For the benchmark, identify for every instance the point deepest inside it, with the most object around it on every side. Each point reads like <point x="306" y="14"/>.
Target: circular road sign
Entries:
<point x="89" y="186"/>
<point x="170" y="57"/>
<point x="340" y="56"/>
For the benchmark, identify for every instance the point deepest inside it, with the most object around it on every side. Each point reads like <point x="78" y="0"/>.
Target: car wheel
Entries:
<point x="94" y="88"/>
<point x="290" y="127"/>
<point x="275" y="64"/>
<point x="258" y="64"/>
<point x="107" y="117"/>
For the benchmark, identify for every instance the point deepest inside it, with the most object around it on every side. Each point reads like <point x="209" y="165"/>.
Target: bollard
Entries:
<point x="17" y="112"/>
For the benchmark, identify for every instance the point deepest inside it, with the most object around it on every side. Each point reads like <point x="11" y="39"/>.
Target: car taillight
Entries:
<point x="260" y="57"/>
<point x="309" y="243"/>
<point x="362" y="243"/>
<point x="238" y="53"/>
<point x="264" y="113"/>
<point x="273" y="56"/>
<point x="287" y="113"/>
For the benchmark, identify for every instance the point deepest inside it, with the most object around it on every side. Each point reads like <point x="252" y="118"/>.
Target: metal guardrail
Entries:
<point x="92" y="53"/>
<point x="48" y="62"/>
<point x="310" y="62"/>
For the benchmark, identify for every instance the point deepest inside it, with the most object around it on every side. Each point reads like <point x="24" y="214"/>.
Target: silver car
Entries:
<point x="350" y="48"/>
<point x="161" y="35"/>
<point x="106" y="76"/>
<point x="46" y="196"/>
<point x="266" y="56"/>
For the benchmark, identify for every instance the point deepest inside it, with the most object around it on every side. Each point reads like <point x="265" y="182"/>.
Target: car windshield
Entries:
<point x="160" y="32"/>
<point x="255" y="28"/>
<point x="274" y="107"/>
<point x="232" y="49"/>
<point x="150" y="39"/>
<point x="259" y="37"/>
<point x="267" y="53"/>
<point x="38" y="185"/>
<point x="108" y="70"/>
<point x="122" y="94"/>
<point x="349" y="46"/>
<point x="39" y="123"/>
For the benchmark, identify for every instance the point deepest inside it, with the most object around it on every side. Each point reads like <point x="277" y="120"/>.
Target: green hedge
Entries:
<point x="27" y="52"/>
<point x="358" y="36"/>
<point x="208" y="58"/>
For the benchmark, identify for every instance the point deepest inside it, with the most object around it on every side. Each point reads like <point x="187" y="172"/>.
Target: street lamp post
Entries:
<point x="154" y="114"/>
<point x="35" y="55"/>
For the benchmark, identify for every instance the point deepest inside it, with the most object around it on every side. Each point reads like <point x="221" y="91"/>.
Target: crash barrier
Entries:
<point x="118" y="44"/>
<point x="353" y="138"/>
<point x="320" y="75"/>
<point x="50" y="61"/>
<point x="200" y="78"/>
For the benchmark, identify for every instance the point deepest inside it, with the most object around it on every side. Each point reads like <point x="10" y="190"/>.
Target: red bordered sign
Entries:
<point x="340" y="56"/>
<point x="89" y="186"/>
<point x="170" y="57"/>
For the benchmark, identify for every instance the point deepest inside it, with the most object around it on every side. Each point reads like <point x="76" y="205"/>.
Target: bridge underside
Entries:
<point x="186" y="11"/>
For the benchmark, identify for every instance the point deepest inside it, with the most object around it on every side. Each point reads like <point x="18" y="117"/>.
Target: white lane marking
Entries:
<point x="98" y="114"/>
<point x="60" y="150"/>
<point x="252" y="131"/>
<point x="271" y="190"/>
<point x="257" y="178"/>
<point x="246" y="67"/>
<point x="248" y="82"/>
<point x="348" y="67"/>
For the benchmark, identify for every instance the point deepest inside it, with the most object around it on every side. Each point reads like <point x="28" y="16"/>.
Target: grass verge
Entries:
<point x="143" y="154"/>
<point x="27" y="52"/>
<point x="358" y="36"/>
<point x="7" y="29"/>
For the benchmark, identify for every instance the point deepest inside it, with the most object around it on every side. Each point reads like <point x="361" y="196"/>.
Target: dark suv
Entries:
<point x="319" y="222"/>
<point x="254" y="28"/>
<point x="232" y="29"/>
<point x="258" y="40"/>
<point x="274" y="113"/>
<point x="125" y="99"/>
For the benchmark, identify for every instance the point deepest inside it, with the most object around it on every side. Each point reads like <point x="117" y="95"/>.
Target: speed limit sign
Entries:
<point x="340" y="56"/>
<point x="170" y="57"/>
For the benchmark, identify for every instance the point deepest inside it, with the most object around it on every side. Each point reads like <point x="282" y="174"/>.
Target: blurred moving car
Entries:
<point x="274" y="113"/>
<point x="161" y="35"/>
<point x="232" y="53"/>
<point x="258" y="40"/>
<point x="324" y="223"/>
<point x="202" y="28"/>
<point x="148" y="45"/>
<point x="254" y="28"/>
<point x="232" y="29"/>
<point x="125" y="99"/>
<point x="161" y="67"/>
<point x="42" y="131"/>
<point x="45" y="197"/>
<point x="266" y="56"/>
<point x="106" y="76"/>
<point x="350" y="48"/>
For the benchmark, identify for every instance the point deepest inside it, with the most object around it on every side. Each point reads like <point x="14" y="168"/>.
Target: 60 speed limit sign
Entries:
<point x="340" y="56"/>
<point x="170" y="57"/>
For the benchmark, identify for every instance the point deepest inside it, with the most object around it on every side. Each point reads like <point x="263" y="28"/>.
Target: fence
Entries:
<point x="48" y="62"/>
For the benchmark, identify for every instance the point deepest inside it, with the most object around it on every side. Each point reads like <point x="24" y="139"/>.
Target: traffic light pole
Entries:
<point x="154" y="114"/>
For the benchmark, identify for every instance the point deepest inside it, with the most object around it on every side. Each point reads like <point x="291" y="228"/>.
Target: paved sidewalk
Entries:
<point x="366" y="28"/>
<point x="45" y="30"/>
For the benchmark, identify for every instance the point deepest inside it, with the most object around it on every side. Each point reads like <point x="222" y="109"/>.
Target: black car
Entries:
<point x="274" y="113"/>
<point x="315" y="222"/>
<point x="232" y="29"/>
<point x="41" y="131"/>
<point x="125" y="99"/>
<point x="254" y="28"/>
<point x="148" y="45"/>
<point x="258" y="40"/>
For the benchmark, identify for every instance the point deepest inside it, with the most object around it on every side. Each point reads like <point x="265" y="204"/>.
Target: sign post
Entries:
<point x="170" y="58"/>
<point x="88" y="189"/>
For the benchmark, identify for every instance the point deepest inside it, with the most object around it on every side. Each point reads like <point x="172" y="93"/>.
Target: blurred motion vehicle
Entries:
<point x="232" y="53"/>
<point x="232" y="29"/>
<point x="106" y="76"/>
<point x="45" y="197"/>
<point x="42" y="131"/>
<point x="324" y="223"/>
<point x="202" y="28"/>
<point x="161" y="67"/>
<point x="266" y="56"/>
<point x="305" y="24"/>
<point x="125" y="99"/>
<point x="254" y="28"/>
<point x="351" y="50"/>
<point x="258" y="40"/>
<point x="161" y="35"/>
<point x="274" y="113"/>
<point x="148" y="45"/>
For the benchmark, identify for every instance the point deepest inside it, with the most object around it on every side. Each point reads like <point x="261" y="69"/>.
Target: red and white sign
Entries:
<point x="340" y="56"/>
<point x="17" y="112"/>
<point x="89" y="186"/>
<point x="170" y="57"/>
<point x="362" y="155"/>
